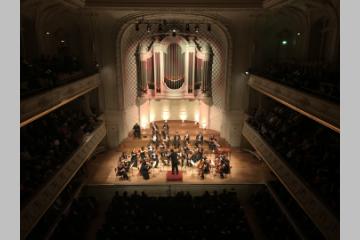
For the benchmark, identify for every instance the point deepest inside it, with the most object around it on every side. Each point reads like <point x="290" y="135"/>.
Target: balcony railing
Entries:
<point x="36" y="208"/>
<point x="320" y="110"/>
<point x="316" y="210"/>
<point x="39" y="105"/>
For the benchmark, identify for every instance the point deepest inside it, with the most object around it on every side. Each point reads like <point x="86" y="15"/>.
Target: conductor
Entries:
<point x="174" y="162"/>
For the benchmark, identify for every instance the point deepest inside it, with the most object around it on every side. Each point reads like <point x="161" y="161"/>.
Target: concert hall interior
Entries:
<point x="180" y="119"/>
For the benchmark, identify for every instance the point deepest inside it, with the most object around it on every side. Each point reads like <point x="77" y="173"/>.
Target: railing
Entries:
<point x="36" y="208"/>
<point x="320" y="110"/>
<point x="320" y="215"/>
<point x="39" y="105"/>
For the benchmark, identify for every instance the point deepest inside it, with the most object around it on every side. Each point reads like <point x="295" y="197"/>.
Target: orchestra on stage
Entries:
<point x="174" y="152"/>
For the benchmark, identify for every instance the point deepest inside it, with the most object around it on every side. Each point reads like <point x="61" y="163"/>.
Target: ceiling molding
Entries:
<point x="208" y="4"/>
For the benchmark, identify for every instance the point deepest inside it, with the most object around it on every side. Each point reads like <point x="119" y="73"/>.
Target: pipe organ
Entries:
<point x="174" y="68"/>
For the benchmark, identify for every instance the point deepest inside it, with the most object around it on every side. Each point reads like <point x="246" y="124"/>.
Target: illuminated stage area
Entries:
<point x="245" y="168"/>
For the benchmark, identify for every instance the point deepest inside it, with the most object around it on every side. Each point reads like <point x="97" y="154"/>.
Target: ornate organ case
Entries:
<point x="174" y="68"/>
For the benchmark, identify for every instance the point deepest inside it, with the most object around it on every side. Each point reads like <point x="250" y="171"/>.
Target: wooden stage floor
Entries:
<point x="246" y="169"/>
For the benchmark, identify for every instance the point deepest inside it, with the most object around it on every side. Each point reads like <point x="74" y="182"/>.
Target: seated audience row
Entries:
<point x="48" y="72"/>
<point x="316" y="78"/>
<point x="301" y="219"/>
<point x="312" y="150"/>
<point x="271" y="220"/>
<point x="210" y="216"/>
<point x="47" y="143"/>
<point x="48" y="223"/>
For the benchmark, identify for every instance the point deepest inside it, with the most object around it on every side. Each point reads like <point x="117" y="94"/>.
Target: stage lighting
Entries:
<point x="284" y="42"/>
<point x="62" y="41"/>
<point x="47" y="33"/>
<point x="246" y="73"/>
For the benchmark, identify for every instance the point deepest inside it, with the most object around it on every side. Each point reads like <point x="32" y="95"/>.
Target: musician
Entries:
<point x="186" y="138"/>
<point x="176" y="141"/>
<point x="163" y="154"/>
<point x="154" y="127"/>
<point x="224" y="167"/>
<point x="155" y="159"/>
<point x="174" y="162"/>
<point x="166" y="128"/>
<point x="122" y="170"/>
<point x="154" y="139"/>
<point x="213" y="144"/>
<point x="123" y="157"/>
<point x="144" y="170"/>
<point x="134" y="159"/>
<point x="142" y="153"/>
<point x="137" y="131"/>
<point x="166" y="140"/>
<point x="199" y="139"/>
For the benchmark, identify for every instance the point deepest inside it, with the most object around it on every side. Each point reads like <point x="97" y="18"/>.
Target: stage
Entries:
<point x="246" y="169"/>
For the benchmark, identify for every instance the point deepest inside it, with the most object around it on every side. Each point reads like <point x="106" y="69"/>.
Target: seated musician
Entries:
<point x="199" y="139"/>
<point x="206" y="165"/>
<point x="144" y="170"/>
<point x="213" y="144"/>
<point x="142" y="153"/>
<point x="122" y="169"/>
<point x="154" y="139"/>
<point x="137" y="131"/>
<point x="166" y="140"/>
<point x="150" y="150"/>
<point x="176" y="141"/>
<point x="224" y="166"/>
<point x="163" y="154"/>
<point x="134" y="159"/>
<point x="155" y="159"/>
<point x="186" y="138"/>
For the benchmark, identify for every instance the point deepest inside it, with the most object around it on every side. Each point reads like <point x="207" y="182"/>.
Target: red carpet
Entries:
<point x="171" y="177"/>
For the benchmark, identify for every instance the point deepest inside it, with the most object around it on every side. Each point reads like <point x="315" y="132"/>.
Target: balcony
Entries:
<point x="320" y="110"/>
<point x="39" y="105"/>
<point x="36" y="208"/>
<point x="320" y="215"/>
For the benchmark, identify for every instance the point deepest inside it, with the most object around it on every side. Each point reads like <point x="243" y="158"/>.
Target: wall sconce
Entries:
<point x="183" y="116"/>
<point x="203" y="124"/>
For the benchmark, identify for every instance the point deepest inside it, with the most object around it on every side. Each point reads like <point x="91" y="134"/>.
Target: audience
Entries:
<point x="271" y="220"/>
<point x="47" y="143"/>
<point x="216" y="216"/>
<point x="48" y="222"/>
<point x="48" y="72"/>
<point x="301" y="219"/>
<point x="316" y="78"/>
<point x="312" y="150"/>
